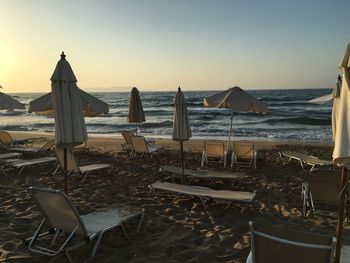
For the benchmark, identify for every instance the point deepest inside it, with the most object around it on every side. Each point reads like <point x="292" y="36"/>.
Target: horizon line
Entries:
<point x="128" y="89"/>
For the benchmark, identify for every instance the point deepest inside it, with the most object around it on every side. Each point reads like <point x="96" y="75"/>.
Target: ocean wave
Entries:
<point x="290" y="116"/>
<point x="11" y="113"/>
<point x="302" y="120"/>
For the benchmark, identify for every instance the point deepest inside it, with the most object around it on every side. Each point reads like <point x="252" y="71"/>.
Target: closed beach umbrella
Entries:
<point x="341" y="152"/>
<point x="70" y="127"/>
<point x="235" y="99"/>
<point x="335" y="108"/>
<point x="181" y="125"/>
<point x="9" y="103"/>
<point x="92" y="106"/>
<point x="136" y="114"/>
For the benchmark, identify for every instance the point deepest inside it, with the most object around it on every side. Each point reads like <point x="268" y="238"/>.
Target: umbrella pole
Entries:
<point x="182" y="163"/>
<point x="344" y="179"/>
<point x="65" y="170"/>
<point x="229" y="132"/>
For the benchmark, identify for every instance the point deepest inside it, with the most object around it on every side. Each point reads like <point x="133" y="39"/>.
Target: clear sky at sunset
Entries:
<point x="161" y="44"/>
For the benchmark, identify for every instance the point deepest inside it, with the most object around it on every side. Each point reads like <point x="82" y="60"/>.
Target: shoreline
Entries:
<point x="118" y="136"/>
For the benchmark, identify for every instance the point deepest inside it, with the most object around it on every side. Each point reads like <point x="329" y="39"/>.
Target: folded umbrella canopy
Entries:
<point x="92" y="106"/>
<point x="70" y="129"/>
<point x="181" y="125"/>
<point x="9" y="103"/>
<point x="135" y="114"/>
<point x="235" y="99"/>
<point x="341" y="152"/>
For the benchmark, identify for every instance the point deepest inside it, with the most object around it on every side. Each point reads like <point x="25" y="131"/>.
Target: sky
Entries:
<point x="159" y="45"/>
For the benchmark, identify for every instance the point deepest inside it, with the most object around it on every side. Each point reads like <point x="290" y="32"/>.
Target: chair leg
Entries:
<point x="304" y="198"/>
<point x="141" y="221"/>
<point x="96" y="246"/>
<point x="312" y="203"/>
<point x="56" y="170"/>
<point x="68" y="256"/>
<point x="203" y="157"/>
<point x="20" y="171"/>
<point x="124" y="231"/>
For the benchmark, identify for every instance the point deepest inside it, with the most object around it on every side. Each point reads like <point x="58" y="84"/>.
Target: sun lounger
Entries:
<point x="202" y="174"/>
<point x="306" y="159"/>
<point x="73" y="166"/>
<point x="10" y="155"/>
<point x="244" y="153"/>
<point x="323" y="187"/>
<point x="140" y="146"/>
<point x="7" y="141"/>
<point x="36" y="150"/>
<point x="276" y="245"/>
<point x="82" y="147"/>
<point x="215" y="150"/>
<point x="9" y="164"/>
<point x="127" y="137"/>
<point x="70" y="229"/>
<point x="204" y="192"/>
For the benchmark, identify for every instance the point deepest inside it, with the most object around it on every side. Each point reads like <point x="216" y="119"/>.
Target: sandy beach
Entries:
<point x="181" y="232"/>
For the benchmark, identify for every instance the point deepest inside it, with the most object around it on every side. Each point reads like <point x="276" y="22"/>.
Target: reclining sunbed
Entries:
<point x="276" y="245"/>
<point x="9" y="164"/>
<point x="305" y="159"/>
<point x="204" y="192"/>
<point x="202" y="174"/>
<point x="63" y="223"/>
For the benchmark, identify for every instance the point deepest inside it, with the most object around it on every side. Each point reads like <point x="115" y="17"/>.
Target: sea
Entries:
<point x="290" y="117"/>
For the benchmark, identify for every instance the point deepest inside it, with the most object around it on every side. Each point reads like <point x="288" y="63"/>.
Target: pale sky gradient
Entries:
<point x="161" y="44"/>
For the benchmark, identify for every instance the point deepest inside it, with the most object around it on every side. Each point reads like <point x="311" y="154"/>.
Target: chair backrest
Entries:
<point x="71" y="162"/>
<point x="324" y="186"/>
<point x="58" y="210"/>
<point x="272" y="244"/>
<point x="214" y="149"/>
<point x="47" y="146"/>
<point x="5" y="138"/>
<point x="139" y="144"/>
<point x="127" y="136"/>
<point x="244" y="150"/>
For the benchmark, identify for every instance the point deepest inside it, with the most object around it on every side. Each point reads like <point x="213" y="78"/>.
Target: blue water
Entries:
<point x="290" y="116"/>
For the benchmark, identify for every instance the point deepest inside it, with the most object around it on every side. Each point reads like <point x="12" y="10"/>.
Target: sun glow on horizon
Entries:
<point x="118" y="44"/>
